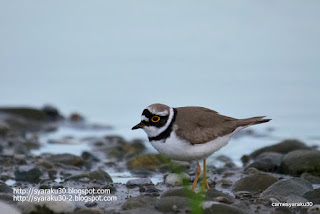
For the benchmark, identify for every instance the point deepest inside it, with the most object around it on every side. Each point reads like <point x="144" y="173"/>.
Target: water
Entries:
<point x="110" y="60"/>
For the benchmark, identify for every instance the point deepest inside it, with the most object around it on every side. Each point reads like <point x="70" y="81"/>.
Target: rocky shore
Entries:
<point x="286" y="172"/>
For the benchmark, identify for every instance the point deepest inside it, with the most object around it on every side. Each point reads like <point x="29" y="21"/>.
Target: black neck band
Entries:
<point x="166" y="133"/>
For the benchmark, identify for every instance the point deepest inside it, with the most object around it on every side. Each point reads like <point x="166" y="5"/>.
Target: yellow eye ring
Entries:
<point x="155" y="119"/>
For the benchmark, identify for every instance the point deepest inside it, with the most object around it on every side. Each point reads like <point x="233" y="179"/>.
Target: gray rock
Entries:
<point x="172" y="203"/>
<point x="282" y="147"/>
<point x="139" y="201"/>
<point x="289" y="190"/>
<point x="29" y="175"/>
<point x="255" y="183"/>
<point x="213" y="194"/>
<point x="141" y="210"/>
<point x="4" y="188"/>
<point x="182" y="192"/>
<point x="223" y="209"/>
<point x="311" y="178"/>
<point x="313" y="196"/>
<point x="67" y="159"/>
<point x="98" y="175"/>
<point x="267" y="162"/>
<point x="139" y="182"/>
<point x="300" y="161"/>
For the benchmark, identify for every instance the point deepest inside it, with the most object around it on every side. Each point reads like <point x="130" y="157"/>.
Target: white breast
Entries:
<point x="179" y="149"/>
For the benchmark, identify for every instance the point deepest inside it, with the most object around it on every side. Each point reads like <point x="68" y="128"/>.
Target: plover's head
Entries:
<point x="155" y="119"/>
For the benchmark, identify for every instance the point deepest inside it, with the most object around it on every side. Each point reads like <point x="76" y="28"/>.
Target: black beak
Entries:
<point x="138" y="126"/>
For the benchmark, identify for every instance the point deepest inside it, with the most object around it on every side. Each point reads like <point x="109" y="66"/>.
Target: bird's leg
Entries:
<point x="205" y="183"/>
<point x="198" y="171"/>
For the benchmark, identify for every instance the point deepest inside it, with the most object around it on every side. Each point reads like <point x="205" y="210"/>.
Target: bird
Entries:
<point x="190" y="133"/>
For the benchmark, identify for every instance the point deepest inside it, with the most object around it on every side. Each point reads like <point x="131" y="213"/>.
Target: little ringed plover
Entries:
<point x="190" y="133"/>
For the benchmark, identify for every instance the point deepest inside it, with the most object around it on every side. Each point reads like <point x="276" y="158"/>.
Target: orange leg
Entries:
<point x="205" y="183"/>
<point x="197" y="176"/>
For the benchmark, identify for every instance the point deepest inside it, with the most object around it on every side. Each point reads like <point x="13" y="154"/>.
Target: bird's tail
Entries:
<point x="252" y="121"/>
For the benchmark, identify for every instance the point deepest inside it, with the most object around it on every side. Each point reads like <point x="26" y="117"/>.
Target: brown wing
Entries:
<point x="199" y="125"/>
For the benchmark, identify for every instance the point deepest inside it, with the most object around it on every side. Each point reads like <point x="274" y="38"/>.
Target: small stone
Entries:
<point x="311" y="178"/>
<point x="267" y="162"/>
<point x="67" y="159"/>
<point x="4" y="188"/>
<point x="177" y="179"/>
<point x="4" y="128"/>
<point x="245" y="159"/>
<point x="172" y="203"/>
<point x="300" y="161"/>
<point x="91" y="204"/>
<point x="252" y="171"/>
<point x="139" y="182"/>
<point x="290" y="189"/>
<point x="224" y="182"/>
<point x="216" y="195"/>
<point x="26" y="174"/>
<point x="182" y="192"/>
<point x="313" y="196"/>
<point x="98" y="175"/>
<point x="255" y="183"/>
<point x="138" y="201"/>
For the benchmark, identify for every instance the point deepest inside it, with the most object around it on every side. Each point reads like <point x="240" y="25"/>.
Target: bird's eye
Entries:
<point x="155" y="119"/>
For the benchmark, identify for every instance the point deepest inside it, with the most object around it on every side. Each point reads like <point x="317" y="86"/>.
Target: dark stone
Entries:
<point x="255" y="183"/>
<point x="88" y="156"/>
<point x="224" y="209"/>
<point x="313" y="196"/>
<point x="213" y="194"/>
<point x="311" y="178"/>
<point x="181" y="192"/>
<point x="172" y="203"/>
<point x="139" y="201"/>
<point x="283" y="147"/>
<point x="28" y="175"/>
<point x="51" y="112"/>
<point x="300" y="161"/>
<point x="289" y="190"/>
<point x="67" y="159"/>
<point x="91" y="204"/>
<point x="98" y="175"/>
<point x="4" y="188"/>
<point x="267" y="162"/>
<point x="4" y="129"/>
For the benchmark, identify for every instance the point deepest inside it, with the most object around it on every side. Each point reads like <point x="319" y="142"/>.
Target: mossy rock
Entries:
<point x="300" y="161"/>
<point x="149" y="162"/>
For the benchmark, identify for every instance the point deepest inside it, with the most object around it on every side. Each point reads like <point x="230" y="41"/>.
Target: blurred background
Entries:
<point x="111" y="59"/>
